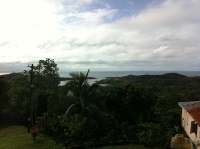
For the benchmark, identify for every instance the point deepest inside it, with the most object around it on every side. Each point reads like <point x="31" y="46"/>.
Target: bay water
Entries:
<point x="99" y="75"/>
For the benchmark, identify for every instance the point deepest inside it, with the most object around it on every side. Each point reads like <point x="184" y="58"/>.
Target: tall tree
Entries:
<point x="45" y="81"/>
<point x="16" y="108"/>
<point x="82" y="108"/>
<point x="3" y="95"/>
<point x="46" y="73"/>
<point x="81" y="92"/>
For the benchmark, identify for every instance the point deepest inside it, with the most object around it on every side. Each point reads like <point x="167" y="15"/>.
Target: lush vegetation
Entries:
<point x="142" y="109"/>
<point x="16" y="137"/>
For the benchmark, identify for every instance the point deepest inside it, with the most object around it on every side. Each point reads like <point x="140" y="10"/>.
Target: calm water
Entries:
<point x="103" y="74"/>
<point x="3" y="73"/>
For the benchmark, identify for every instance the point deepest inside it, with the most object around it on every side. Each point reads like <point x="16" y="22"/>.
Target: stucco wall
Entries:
<point x="186" y="124"/>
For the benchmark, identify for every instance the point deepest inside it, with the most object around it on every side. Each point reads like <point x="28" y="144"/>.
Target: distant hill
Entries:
<point x="11" y="76"/>
<point x="159" y="80"/>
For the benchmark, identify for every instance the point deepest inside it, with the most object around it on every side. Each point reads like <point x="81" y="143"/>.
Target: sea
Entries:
<point x="4" y="73"/>
<point x="99" y="75"/>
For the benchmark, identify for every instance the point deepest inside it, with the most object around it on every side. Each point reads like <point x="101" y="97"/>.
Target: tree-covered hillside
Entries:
<point x="141" y="109"/>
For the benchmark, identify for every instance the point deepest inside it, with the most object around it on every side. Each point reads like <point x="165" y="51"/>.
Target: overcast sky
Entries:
<point x="101" y="34"/>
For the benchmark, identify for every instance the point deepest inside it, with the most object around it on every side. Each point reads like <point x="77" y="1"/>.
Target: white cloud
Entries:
<point x="171" y="12"/>
<point x="95" y="17"/>
<point x="163" y="36"/>
<point x="80" y="2"/>
<point x="24" y="25"/>
<point x="160" y="49"/>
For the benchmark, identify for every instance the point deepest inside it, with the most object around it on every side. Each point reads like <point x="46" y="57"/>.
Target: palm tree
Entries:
<point x="81" y="93"/>
<point x="83" y="105"/>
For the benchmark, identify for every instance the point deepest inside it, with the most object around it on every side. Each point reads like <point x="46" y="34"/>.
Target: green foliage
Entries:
<point x="131" y="103"/>
<point x="16" y="137"/>
<point x="46" y="74"/>
<point x="81" y="111"/>
<point x="3" y="96"/>
<point x="144" y="111"/>
<point x="150" y="134"/>
<point x="128" y="131"/>
<point x="76" y="128"/>
<point x="16" y="99"/>
<point x="15" y="110"/>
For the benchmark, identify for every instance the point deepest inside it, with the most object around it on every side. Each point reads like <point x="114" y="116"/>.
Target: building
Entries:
<point x="190" y="121"/>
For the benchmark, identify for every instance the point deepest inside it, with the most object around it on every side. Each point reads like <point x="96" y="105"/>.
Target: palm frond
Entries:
<point x="70" y="108"/>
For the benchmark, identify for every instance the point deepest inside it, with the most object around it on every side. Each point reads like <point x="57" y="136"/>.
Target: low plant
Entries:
<point x="34" y="133"/>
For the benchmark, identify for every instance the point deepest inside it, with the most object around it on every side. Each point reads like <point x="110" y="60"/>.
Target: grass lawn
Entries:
<point x="17" y="137"/>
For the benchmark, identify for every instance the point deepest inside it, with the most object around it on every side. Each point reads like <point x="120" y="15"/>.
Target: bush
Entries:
<point x="150" y="134"/>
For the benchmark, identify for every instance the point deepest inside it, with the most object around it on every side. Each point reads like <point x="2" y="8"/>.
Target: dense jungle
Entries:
<point x="139" y="109"/>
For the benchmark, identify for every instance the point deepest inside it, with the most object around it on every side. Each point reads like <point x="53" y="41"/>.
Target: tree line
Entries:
<point x="143" y="109"/>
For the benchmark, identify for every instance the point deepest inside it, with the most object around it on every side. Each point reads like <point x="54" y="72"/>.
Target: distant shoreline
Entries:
<point x="107" y="74"/>
<point x="2" y="73"/>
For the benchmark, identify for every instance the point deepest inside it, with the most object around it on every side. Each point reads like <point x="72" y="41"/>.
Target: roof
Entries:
<point x="193" y="108"/>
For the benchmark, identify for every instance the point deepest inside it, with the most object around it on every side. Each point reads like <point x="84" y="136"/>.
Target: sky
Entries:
<point x="101" y="35"/>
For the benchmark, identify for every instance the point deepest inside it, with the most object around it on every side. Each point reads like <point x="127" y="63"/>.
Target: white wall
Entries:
<point x="186" y="124"/>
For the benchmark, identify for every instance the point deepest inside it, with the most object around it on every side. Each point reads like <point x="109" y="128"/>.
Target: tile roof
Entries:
<point x="193" y="108"/>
